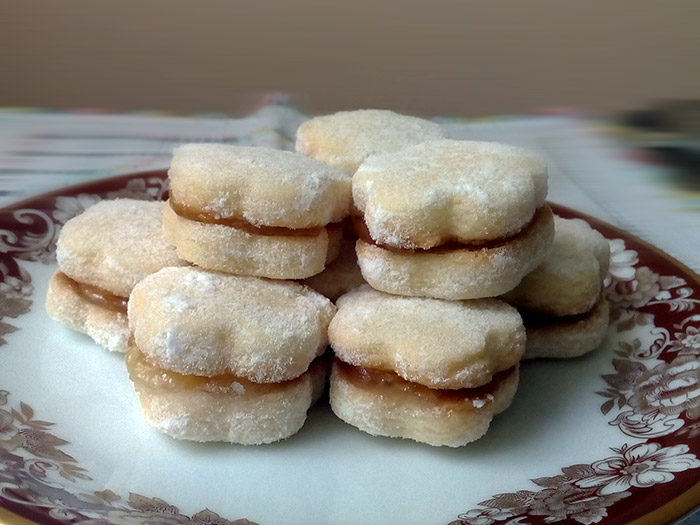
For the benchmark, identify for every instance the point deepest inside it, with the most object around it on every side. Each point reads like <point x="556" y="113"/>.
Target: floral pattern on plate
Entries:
<point x="652" y="394"/>
<point x="37" y="474"/>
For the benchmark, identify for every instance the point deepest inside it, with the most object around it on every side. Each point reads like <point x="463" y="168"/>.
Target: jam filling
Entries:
<point x="362" y="232"/>
<point x="384" y="381"/>
<point x="142" y="371"/>
<point x="186" y="212"/>
<point x="98" y="296"/>
<point x="532" y="319"/>
<point x="538" y="320"/>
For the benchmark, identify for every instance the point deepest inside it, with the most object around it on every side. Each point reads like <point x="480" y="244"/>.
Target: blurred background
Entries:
<point x="436" y="57"/>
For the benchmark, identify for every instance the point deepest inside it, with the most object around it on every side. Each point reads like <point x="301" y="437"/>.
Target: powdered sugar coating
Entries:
<point x="569" y="279"/>
<point x="448" y="190"/>
<point x="114" y="244"/>
<point x="436" y="343"/>
<point x="458" y="273"/>
<point x="345" y="139"/>
<point x="266" y="331"/>
<point x="263" y="186"/>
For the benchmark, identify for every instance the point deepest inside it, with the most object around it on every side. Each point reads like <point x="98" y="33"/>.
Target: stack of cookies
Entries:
<point x="433" y="250"/>
<point x="427" y="351"/>
<point x="230" y="349"/>
<point x="221" y="344"/>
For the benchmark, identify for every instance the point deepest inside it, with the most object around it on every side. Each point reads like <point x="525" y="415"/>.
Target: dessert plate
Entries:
<point x="612" y="437"/>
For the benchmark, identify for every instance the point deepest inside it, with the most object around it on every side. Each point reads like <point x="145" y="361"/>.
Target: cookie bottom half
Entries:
<point x="383" y="404"/>
<point x="224" y="408"/>
<point x="569" y="336"/>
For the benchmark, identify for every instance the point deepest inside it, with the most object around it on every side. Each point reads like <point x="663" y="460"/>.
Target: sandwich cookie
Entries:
<point x="254" y="211"/>
<point x="451" y="219"/>
<point x="562" y="300"/>
<point x="102" y="254"/>
<point x="430" y="370"/>
<point x="566" y="336"/>
<point x="224" y="357"/>
<point x="345" y="139"/>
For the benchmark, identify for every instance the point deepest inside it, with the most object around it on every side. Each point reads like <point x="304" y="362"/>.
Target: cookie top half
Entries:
<point x="445" y="191"/>
<point x="195" y="322"/>
<point x="114" y="244"/>
<point x="436" y="343"/>
<point x="261" y="186"/>
<point x="345" y="139"/>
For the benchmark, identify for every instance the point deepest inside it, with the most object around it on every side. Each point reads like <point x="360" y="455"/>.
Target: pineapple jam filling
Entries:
<point x="98" y="296"/>
<point x="362" y="232"/>
<point x="204" y="217"/>
<point x="385" y="383"/>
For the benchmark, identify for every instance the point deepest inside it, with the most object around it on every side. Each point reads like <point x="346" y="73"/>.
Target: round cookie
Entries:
<point x="436" y="343"/>
<point x="102" y="254"/>
<point x="255" y="211"/>
<point x="457" y="272"/>
<point x="383" y="404"/>
<point x="345" y="139"/>
<point x="567" y="336"/>
<point x="569" y="279"/>
<point x="224" y="408"/>
<point x="193" y="322"/>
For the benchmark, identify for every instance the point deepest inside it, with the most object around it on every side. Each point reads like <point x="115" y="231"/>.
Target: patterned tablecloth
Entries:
<point x="589" y="169"/>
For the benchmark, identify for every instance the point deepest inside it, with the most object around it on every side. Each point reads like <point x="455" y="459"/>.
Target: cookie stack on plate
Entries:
<point x="433" y="249"/>
<point x="426" y="350"/>
<point x="230" y="349"/>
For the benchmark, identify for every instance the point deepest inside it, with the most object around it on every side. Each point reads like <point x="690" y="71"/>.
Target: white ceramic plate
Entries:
<point x="612" y="437"/>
